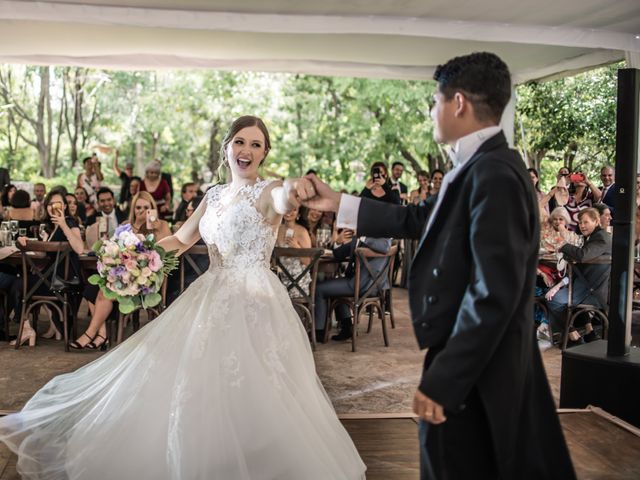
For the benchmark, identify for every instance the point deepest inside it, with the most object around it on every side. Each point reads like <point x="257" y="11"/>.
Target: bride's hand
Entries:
<point x="299" y="190"/>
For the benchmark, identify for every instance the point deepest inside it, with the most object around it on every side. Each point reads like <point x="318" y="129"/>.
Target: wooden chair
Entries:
<point x="373" y="297"/>
<point x="574" y="311"/>
<point x="305" y="303"/>
<point x="31" y="300"/>
<point x="187" y="259"/>
<point x="388" y="299"/>
<point x="134" y="317"/>
<point x="5" y="311"/>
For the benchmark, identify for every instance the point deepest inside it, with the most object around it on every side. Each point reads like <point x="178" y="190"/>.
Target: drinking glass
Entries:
<point x="42" y="231"/>
<point x="14" y="230"/>
<point x="22" y="232"/>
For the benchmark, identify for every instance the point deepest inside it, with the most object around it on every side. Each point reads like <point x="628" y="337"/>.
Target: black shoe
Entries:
<point x="342" y="336"/>
<point x="592" y="336"/>
<point x="573" y="343"/>
<point x="320" y="336"/>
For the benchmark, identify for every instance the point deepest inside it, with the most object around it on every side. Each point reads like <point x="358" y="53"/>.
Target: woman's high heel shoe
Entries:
<point x="102" y="346"/>
<point x="27" y="335"/>
<point x="77" y="346"/>
<point x="52" y="333"/>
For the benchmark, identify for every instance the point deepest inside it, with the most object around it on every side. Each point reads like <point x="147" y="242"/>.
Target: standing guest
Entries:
<point x="95" y="336"/>
<point x="85" y="208"/>
<point x="188" y="192"/>
<point x="378" y="187"/>
<point x="484" y="401"/>
<point x="91" y="179"/>
<point x="424" y="188"/>
<point x="37" y="204"/>
<point x="134" y="188"/>
<point x="112" y="215"/>
<point x="605" y="216"/>
<point x="535" y="179"/>
<point x="584" y="195"/>
<point x="124" y="176"/>
<point x="436" y="182"/>
<point x="609" y="188"/>
<point x="156" y="186"/>
<point x="397" y="169"/>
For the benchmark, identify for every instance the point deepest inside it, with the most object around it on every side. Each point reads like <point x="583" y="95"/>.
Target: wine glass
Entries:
<point x="14" y="230"/>
<point x="22" y="232"/>
<point x="42" y="231"/>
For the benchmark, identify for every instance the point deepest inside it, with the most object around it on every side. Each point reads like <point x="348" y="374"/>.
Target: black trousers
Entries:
<point x="460" y="448"/>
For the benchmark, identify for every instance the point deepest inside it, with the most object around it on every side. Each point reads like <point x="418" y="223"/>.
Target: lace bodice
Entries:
<point x="237" y="234"/>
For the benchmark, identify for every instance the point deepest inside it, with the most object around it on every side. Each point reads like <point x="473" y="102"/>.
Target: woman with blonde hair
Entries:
<point x="144" y="219"/>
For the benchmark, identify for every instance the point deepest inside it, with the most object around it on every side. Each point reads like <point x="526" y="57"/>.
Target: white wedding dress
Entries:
<point x="222" y="385"/>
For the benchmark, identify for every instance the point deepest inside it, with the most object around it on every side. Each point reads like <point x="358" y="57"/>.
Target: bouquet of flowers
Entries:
<point x="131" y="268"/>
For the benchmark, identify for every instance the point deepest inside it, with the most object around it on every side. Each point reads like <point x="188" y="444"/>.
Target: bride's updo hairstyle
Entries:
<point x="240" y="123"/>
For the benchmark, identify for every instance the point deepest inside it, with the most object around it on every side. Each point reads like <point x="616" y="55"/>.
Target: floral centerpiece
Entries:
<point x="131" y="268"/>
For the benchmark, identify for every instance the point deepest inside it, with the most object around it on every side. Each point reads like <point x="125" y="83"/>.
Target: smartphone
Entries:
<point x="576" y="177"/>
<point x="152" y="216"/>
<point x="377" y="173"/>
<point x="102" y="227"/>
<point x="289" y="233"/>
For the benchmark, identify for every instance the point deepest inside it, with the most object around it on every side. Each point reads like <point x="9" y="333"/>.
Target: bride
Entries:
<point x="222" y="385"/>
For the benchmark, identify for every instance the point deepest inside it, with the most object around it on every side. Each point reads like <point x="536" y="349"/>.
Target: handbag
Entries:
<point x="60" y="285"/>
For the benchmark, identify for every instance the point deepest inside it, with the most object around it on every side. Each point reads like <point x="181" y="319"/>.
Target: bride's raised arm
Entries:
<point x="281" y="197"/>
<point x="187" y="234"/>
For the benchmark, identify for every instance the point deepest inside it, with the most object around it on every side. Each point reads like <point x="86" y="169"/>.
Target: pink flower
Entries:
<point x="155" y="262"/>
<point x="130" y="265"/>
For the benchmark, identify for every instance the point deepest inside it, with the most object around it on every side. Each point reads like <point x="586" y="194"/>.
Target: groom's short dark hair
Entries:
<point x="482" y="77"/>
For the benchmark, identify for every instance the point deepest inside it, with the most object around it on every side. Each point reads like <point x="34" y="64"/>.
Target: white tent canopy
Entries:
<point x="388" y="39"/>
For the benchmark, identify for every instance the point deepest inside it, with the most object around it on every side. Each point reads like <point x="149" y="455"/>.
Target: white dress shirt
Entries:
<point x="465" y="148"/>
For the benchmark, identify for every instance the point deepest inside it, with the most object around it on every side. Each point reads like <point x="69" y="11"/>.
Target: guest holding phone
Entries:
<point x="58" y="227"/>
<point x="144" y="219"/>
<point x="379" y="187"/>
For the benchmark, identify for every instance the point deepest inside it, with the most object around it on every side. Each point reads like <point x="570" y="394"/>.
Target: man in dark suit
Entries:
<point x="113" y="216"/>
<point x="345" y="286"/>
<point x="609" y="187"/>
<point x="484" y="402"/>
<point x="397" y="169"/>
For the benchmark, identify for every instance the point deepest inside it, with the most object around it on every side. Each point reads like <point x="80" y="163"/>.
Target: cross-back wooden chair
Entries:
<point x="373" y="296"/>
<point x="304" y="302"/>
<point x="134" y="317"/>
<point x="33" y="254"/>
<point x="188" y="260"/>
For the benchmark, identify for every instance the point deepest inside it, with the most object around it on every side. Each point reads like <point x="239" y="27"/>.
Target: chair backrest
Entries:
<point x="29" y="264"/>
<point x="188" y="259"/>
<point x="363" y="255"/>
<point x="313" y="254"/>
<point x="594" y="284"/>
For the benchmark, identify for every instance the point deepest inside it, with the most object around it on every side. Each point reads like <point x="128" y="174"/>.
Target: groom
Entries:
<point x="484" y="402"/>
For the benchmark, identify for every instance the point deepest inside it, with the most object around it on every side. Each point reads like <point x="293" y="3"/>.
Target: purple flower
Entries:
<point x="123" y="228"/>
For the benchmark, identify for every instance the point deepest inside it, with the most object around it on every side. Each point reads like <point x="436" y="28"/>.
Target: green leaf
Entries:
<point x="110" y="295"/>
<point x="126" y="307"/>
<point x="95" y="279"/>
<point x="97" y="246"/>
<point x="152" y="299"/>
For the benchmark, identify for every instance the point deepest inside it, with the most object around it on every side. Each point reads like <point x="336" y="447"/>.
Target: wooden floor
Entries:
<point x="601" y="450"/>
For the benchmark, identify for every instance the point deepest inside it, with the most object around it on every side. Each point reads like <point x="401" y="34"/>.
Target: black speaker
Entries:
<point x="590" y="377"/>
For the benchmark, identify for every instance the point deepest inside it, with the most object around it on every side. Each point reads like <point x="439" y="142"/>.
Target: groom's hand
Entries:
<point x="325" y="200"/>
<point x="427" y="409"/>
<point x="299" y="190"/>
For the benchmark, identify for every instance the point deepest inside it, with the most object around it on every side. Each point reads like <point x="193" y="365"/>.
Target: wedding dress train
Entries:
<point x="221" y="385"/>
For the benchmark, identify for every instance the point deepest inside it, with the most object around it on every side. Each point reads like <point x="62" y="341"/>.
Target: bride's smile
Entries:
<point x="245" y="153"/>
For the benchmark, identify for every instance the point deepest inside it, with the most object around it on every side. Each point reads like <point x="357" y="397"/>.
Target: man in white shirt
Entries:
<point x="109" y="217"/>
<point x="484" y="401"/>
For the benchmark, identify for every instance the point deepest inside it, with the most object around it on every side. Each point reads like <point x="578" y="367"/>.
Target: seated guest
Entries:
<point x="312" y="220"/>
<point x="605" y="216"/>
<point x="293" y="234"/>
<point x="590" y="283"/>
<point x="554" y="232"/>
<point x="21" y="207"/>
<point x="424" y="189"/>
<point x="156" y="186"/>
<point x="72" y="205"/>
<point x="112" y="216"/>
<point x="188" y="192"/>
<point x="345" y="286"/>
<point x="190" y="274"/>
<point x="5" y="199"/>
<point x="379" y="187"/>
<point x="59" y="228"/>
<point x="83" y="204"/>
<point x="100" y="307"/>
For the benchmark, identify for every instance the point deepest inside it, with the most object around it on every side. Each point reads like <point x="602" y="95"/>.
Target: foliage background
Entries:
<point x="52" y="117"/>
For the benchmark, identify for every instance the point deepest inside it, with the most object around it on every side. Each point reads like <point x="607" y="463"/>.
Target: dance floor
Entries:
<point x="371" y="391"/>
